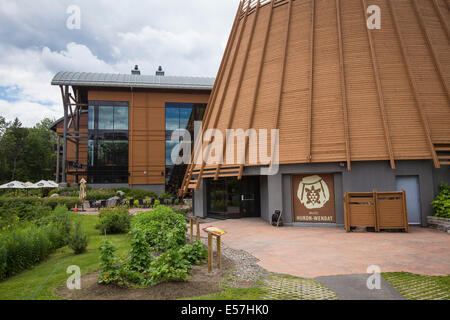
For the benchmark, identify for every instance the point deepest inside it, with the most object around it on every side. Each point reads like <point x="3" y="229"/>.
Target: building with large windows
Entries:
<point x="117" y="128"/>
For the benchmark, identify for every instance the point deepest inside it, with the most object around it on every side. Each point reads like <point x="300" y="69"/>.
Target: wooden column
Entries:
<point x="343" y="85"/>
<point x="197" y="222"/>
<point x="436" y="61"/>
<point x="191" y="220"/>
<point x="381" y="103"/>
<point x="241" y="78"/>
<point x="258" y="86"/>
<point x="311" y="81"/>
<point x="227" y="85"/>
<point x="413" y="84"/>
<point x="58" y="148"/>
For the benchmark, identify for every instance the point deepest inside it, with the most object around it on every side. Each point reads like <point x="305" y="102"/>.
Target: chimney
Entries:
<point x="160" y="71"/>
<point x="136" y="70"/>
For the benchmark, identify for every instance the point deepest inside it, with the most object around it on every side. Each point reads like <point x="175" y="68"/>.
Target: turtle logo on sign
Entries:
<point x="313" y="192"/>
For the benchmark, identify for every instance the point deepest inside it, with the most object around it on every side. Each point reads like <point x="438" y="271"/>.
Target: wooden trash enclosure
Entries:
<point x="379" y="210"/>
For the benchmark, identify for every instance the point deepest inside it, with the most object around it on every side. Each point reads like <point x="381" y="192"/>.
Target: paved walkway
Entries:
<point x="322" y="251"/>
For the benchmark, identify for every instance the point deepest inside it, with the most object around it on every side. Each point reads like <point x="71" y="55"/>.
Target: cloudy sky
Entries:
<point x="185" y="37"/>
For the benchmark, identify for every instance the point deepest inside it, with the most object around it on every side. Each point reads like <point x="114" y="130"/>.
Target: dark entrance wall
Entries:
<point x="364" y="177"/>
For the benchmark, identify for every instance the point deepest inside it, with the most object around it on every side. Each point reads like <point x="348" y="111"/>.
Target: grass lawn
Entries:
<point x="419" y="287"/>
<point x="41" y="282"/>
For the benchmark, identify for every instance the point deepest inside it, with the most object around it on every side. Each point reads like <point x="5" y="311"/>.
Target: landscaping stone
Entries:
<point x="120" y="193"/>
<point x="55" y="195"/>
<point x="442" y="224"/>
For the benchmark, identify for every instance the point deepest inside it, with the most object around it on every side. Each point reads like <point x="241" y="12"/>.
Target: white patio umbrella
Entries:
<point x="44" y="184"/>
<point x="13" y="185"/>
<point x="55" y="185"/>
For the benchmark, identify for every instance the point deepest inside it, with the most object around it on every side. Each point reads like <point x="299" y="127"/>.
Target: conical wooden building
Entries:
<point x="358" y="89"/>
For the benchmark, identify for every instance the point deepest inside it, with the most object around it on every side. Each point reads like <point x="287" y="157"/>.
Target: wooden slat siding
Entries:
<point x="379" y="89"/>
<point x="433" y="96"/>
<point x="225" y="91"/>
<point x="413" y="84"/>
<point x="441" y="17"/>
<point x="405" y="127"/>
<point x="212" y="98"/>
<point x="431" y="47"/>
<point x="258" y="86"/>
<point x="311" y="82"/>
<point x="282" y="73"/>
<point x="327" y="115"/>
<point x="239" y="86"/>
<point x="343" y="85"/>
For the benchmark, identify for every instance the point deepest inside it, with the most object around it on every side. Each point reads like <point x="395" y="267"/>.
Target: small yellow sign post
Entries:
<point x="217" y="233"/>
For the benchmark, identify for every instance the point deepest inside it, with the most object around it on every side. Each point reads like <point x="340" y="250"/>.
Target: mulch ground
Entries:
<point x="200" y="283"/>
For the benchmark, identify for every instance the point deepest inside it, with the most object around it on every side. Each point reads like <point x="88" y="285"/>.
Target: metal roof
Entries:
<point x="132" y="81"/>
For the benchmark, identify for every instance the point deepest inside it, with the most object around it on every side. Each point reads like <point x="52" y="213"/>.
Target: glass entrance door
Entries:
<point x="231" y="199"/>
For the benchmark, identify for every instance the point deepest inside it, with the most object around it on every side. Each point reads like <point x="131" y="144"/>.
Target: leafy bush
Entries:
<point x="441" y="203"/>
<point x="109" y="263"/>
<point x="140" y="254"/>
<point x="139" y="194"/>
<point x="21" y="248"/>
<point x="195" y="253"/>
<point x="78" y="240"/>
<point x="163" y="228"/>
<point x="114" y="221"/>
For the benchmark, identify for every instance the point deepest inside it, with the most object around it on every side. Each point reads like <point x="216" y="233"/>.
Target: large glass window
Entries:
<point x="108" y="142"/>
<point x="179" y="116"/>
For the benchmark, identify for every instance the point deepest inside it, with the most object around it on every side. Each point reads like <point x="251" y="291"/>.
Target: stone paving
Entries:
<point x="281" y="287"/>
<point x="415" y="287"/>
<point x="310" y="252"/>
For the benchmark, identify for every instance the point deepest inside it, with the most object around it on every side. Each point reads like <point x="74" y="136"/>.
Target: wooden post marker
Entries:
<point x="198" y="228"/>
<point x="210" y="253"/>
<point x="191" y="220"/>
<point x="219" y="253"/>
<point x="218" y="233"/>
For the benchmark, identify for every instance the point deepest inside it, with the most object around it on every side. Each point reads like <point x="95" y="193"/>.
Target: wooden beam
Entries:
<point x="238" y="89"/>
<point x="379" y="87"/>
<point x="343" y="85"/>
<point x="441" y="18"/>
<point x="227" y="85"/>
<point x="311" y="81"/>
<point x="413" y="84"/>
<point x="436" y="61"/>
<point x="258" y="86"/>
<point x="212" y="98"/>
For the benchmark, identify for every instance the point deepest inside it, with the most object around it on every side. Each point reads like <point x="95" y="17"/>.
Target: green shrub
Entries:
<point x="163" y="228"/>
<point x="441" y="203"/>
<point x="157" y="203"/>
<point x="140" y="254"/>
<point x="195" y="253"/>
<point x="110" y="268"/>
<point x="114" y="221"/>
<point x="78" y="240"/>
<point x="139" y="194"/>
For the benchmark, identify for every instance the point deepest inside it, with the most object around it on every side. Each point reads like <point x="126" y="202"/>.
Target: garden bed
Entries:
<point x="200" y="283"/>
